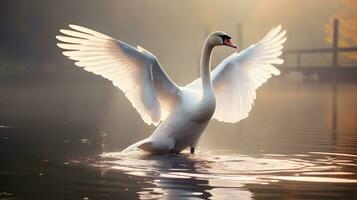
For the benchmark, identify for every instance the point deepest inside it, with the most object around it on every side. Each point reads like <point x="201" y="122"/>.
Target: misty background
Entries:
<point x="43" y="91"/>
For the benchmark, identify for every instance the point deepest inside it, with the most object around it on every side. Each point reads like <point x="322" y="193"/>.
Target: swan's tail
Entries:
<point x="144" y="144"/>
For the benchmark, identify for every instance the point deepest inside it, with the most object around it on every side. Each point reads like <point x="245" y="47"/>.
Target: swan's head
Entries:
<point x="219" y="38"/>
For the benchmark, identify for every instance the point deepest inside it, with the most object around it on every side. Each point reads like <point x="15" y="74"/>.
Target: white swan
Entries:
<point x="181" y="113"/>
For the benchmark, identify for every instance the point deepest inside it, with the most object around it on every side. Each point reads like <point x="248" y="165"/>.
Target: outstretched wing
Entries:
<point x="133" y="70"/>
<point x="236" y="78"/>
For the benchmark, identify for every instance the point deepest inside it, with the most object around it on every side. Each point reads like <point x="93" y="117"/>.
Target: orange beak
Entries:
<point x="229" y="43"/>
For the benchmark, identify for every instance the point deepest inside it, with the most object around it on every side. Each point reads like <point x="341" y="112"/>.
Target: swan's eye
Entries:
<point x="224" y="37"/>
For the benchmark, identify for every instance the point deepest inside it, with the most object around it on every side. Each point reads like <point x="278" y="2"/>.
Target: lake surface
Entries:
<point x="64" y="142"/>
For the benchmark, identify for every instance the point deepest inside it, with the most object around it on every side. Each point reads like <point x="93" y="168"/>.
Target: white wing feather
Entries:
<point x="133" y="70"/>
<point x="236" y="78"/>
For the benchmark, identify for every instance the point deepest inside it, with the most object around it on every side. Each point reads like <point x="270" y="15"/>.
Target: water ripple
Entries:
<point x="218" y="174"/>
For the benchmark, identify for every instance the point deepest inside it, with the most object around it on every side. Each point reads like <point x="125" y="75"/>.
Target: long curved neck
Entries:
<point x="205" y="67"/>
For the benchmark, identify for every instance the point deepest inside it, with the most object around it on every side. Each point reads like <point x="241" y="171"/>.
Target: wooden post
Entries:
<point x="298" y="59"/>
<point x="239" y="41"/>
<point x="334" y="108"/>
<point x="207" y="32"/>
<point x="335" y="43"/>
<point x="334" y="86"/>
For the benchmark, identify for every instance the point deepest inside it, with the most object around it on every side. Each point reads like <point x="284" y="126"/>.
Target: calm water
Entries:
<point x="63" y="142"/>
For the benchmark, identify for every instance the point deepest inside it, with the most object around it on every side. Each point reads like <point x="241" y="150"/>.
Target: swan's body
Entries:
<point x="182" y="113"/>
<point x="183" y="127"/>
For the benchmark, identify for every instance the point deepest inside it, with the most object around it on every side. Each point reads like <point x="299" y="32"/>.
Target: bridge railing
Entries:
<point x="299" y="52"/>
<point x="335" y="50"/>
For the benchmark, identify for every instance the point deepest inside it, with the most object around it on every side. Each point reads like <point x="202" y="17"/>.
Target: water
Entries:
<point x="58" y="143"/>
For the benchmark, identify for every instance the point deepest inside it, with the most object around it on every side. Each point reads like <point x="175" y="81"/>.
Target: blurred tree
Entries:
<point x="347" y="29"/>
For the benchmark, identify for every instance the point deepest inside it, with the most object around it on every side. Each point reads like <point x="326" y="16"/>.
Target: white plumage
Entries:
<point x="237" y="77"/>
<point x="135" y="71"/>
<point x="182" y="113"/>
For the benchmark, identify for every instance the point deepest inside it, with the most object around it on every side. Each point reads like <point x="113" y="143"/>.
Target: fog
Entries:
<point x="174" y="31"/>
<point x="40" y="87"/>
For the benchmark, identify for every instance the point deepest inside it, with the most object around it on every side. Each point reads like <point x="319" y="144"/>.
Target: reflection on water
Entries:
<point x="219" y="175"/>
<point x="52" y="140"/>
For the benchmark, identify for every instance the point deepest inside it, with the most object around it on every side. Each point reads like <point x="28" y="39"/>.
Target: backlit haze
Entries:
<point x="61" y="128"/>
<point x="53" y="90"/>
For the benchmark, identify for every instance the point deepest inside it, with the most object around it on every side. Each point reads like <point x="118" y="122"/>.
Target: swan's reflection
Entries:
<point x="174" y="176"/>
<point x="220" y="176"/>
<point x="171" y="186"/>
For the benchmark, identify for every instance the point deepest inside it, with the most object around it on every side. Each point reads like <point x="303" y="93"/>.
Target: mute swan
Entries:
<point x="181" y="113"/>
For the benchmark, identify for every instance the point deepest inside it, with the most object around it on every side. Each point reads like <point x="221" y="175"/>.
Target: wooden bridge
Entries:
<point x="335" y="71"/>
